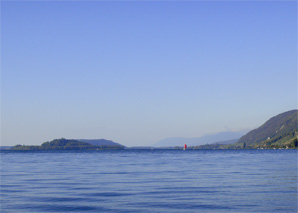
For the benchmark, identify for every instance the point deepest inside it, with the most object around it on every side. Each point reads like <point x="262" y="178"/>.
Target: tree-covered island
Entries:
<point x="67" y="144"/>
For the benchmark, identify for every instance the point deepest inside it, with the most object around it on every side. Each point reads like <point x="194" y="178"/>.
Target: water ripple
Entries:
<point x="149" y="181"/>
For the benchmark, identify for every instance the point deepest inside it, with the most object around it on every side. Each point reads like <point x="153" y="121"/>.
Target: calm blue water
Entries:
<point x="149" y="181"/>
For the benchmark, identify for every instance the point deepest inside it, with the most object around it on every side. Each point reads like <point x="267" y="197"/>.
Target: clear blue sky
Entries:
<point x="137" y="72"/>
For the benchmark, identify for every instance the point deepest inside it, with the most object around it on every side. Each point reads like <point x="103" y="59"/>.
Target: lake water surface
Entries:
<point x="149" y="181"/>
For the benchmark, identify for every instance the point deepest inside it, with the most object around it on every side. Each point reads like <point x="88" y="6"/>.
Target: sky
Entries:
<point x="136" y="72"/>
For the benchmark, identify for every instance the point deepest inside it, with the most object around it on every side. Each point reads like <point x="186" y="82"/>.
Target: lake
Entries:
<point x="149" y="181"/>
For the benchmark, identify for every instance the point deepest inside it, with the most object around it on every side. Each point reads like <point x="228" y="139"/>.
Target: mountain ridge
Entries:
<point x="280" y="130"/>
<point x="208" y="138"/>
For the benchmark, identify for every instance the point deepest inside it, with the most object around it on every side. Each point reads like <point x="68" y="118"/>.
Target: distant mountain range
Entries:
<point x="232" y="141"/>
<point x="278" y="131"/>
<point x="221" y="137"/>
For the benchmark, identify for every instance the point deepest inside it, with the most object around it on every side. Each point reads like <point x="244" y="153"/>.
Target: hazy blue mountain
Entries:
<point x="221" y="136"/>
<point x="232" y="141"/>
<point x="206" y="139"/>
<point x="100" y="142"/>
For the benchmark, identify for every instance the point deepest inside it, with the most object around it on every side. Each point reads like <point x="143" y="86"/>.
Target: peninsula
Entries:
<point x="68" y="144"/>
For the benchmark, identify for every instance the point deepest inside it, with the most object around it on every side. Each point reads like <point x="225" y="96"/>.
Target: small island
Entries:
<point x="67" y="144"/>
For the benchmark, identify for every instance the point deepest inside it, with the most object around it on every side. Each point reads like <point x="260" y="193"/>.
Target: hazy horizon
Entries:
<point x="138" y="72"/>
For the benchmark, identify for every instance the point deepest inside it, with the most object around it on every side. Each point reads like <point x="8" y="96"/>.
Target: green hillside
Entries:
<point x="278" y="132"/>
<point x="66" y="144"/>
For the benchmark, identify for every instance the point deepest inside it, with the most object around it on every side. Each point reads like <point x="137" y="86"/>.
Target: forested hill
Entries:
<point x="279" y="131"/>
<point x="66" y="144"/>
<point x="99" y="142"/>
